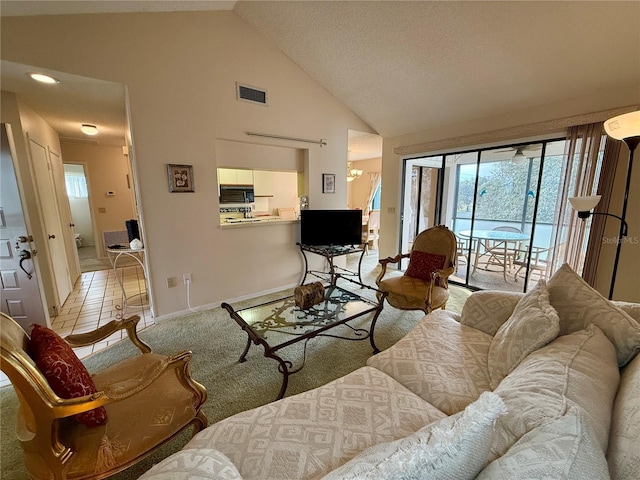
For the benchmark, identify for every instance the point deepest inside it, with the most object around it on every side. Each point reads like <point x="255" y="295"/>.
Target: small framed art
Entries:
<point x="328" y="183"/>
<point x="180" y="178"/>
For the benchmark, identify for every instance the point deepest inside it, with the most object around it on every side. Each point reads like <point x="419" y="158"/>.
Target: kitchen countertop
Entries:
<point x="255" y="221"/>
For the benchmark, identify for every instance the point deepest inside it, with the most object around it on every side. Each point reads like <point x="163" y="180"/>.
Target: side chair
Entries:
<point x="539" y="256"/>
<point x="371" y="233"/>
<point x="127" y="410"/>
<point x="424" y="285"/>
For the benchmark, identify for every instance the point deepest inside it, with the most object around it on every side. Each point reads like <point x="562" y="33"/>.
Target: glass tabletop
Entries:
<point x="332" y="250"/>
<point x="278" y="320"/>
<point x="499" y="235"/>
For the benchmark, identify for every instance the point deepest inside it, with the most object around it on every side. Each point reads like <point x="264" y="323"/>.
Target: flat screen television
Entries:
<point x="331" y="227"/>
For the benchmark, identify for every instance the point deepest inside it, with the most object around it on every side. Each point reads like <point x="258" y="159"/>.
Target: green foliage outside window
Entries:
<point x="503" y="190"/>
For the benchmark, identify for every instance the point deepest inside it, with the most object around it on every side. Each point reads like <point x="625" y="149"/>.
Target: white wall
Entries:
<point x="180" y="70"/>
<point x="107" y="170"/>
<point x="285" y="192"/>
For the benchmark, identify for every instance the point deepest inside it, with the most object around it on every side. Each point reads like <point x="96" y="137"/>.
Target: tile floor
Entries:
<point x="92" y="303"/>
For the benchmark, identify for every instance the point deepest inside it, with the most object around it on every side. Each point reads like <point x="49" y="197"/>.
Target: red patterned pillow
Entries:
<point x="66" y="374"/>
<point x="423" y="264"/>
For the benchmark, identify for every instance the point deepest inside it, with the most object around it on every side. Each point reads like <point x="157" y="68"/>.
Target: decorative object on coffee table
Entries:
<point x="309" y="295"/>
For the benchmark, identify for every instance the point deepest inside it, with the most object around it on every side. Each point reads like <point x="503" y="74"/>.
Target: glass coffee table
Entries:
<point x="280" y="323"/>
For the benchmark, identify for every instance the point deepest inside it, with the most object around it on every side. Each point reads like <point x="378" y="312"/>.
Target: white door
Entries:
<point x="21" y="297"/>
<point x="68" y="231"/>
<point x="51" y="218"/>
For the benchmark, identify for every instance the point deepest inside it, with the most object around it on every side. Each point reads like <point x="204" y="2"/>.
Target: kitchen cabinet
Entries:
<point x="233" y="176"/>
<point x="263" y="183"/>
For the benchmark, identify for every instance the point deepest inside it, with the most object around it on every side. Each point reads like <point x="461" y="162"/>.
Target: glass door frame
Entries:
<point x="442" y="191"/>
<point x="407" y="195"/>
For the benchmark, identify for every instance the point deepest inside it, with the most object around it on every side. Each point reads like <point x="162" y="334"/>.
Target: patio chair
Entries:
<point x="462" y="250"/>
<point x="538" y="263"/>
<point x="69" y="430"/>
<point x="424" y="285"/>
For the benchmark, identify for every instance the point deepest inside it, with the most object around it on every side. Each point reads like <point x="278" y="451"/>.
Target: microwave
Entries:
<point x="236" y="194"/>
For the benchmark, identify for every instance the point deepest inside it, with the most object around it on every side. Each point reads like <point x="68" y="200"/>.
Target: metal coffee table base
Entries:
<point x="322" y="321"/>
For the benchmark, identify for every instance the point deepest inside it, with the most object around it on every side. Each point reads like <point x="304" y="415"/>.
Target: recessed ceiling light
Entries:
<point x="41" y="77"/>
<point x="89" y="129"/>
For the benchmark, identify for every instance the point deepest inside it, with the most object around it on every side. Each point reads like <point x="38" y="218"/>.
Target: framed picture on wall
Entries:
<point x="180" y="178"/>
<point x="328" y="183"/>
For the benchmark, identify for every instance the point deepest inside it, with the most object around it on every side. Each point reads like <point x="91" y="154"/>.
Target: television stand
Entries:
<point x="329" y="252"/>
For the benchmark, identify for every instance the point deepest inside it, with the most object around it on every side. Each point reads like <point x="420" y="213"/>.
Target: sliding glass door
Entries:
<point x="501" y="204"/>
<point x="423" y="196"/>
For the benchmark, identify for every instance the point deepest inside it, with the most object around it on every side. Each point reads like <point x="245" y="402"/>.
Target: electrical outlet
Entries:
<point x="171" y="282"/>
<point x="186" y="278"/>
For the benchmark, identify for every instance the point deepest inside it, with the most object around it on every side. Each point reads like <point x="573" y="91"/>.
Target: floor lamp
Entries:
<point x="626" y="128"/>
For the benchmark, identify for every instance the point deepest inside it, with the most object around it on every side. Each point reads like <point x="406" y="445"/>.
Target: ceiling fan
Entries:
<point x="522" y="153"/>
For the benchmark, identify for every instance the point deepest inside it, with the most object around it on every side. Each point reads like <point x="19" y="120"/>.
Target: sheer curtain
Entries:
<point x="374" y="181"/>
<point x="587" y="171"/>
<point x="605" y="187"/>
<point x="76" y="185"/>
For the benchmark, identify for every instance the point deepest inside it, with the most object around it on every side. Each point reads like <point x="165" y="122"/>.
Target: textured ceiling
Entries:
<point x="409" y="66"/>
<point x="72" y="102"/>
<point x="64" y="7"/>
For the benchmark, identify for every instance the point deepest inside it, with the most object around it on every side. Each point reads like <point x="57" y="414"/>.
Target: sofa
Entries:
<point x="538" y="385"/>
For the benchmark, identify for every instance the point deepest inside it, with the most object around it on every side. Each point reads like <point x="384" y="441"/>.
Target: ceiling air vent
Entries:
<point x="251" y="94"/>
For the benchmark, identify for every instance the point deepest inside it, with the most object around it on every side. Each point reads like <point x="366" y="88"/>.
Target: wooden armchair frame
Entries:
<point x="149" y="399"/>
<point x="414" y="294"/>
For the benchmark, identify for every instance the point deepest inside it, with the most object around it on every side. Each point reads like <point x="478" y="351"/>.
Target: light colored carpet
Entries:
<point x="217" y="342"/>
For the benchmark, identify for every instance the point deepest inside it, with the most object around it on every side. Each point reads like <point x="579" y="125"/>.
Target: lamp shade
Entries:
<point x="623" y="126"/>
<point x="584" y="204"/>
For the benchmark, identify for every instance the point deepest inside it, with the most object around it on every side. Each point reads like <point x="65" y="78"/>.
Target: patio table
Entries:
<point x="495" y="244"/>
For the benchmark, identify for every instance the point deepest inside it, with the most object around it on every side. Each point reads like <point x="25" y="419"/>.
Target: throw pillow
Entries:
<point x="487" y="310"/>
<point x="578" y="369"/>
<point x="533" y="324"/>
<point x="623" y="454"/>
<point x="564" y="447"/>
<point x="423" y="264"/>
<point x="194" y="463"/>
<point x="66" y="374"/>
<point x="454" y="448"/>
<point x="578" y="305"/>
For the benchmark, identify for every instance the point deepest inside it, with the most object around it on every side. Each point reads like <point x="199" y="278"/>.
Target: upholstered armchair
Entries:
<point x="424" y="285"/>
<point x="75" y="426"/>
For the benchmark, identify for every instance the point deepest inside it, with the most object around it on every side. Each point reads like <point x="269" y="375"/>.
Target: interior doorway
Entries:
<point x="364" y="166"/>
<point x="78" y="193"/>
<point x="106" y="159"/>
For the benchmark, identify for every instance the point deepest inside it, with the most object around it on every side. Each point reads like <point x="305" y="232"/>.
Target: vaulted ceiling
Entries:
<point x="410" y="66"/>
